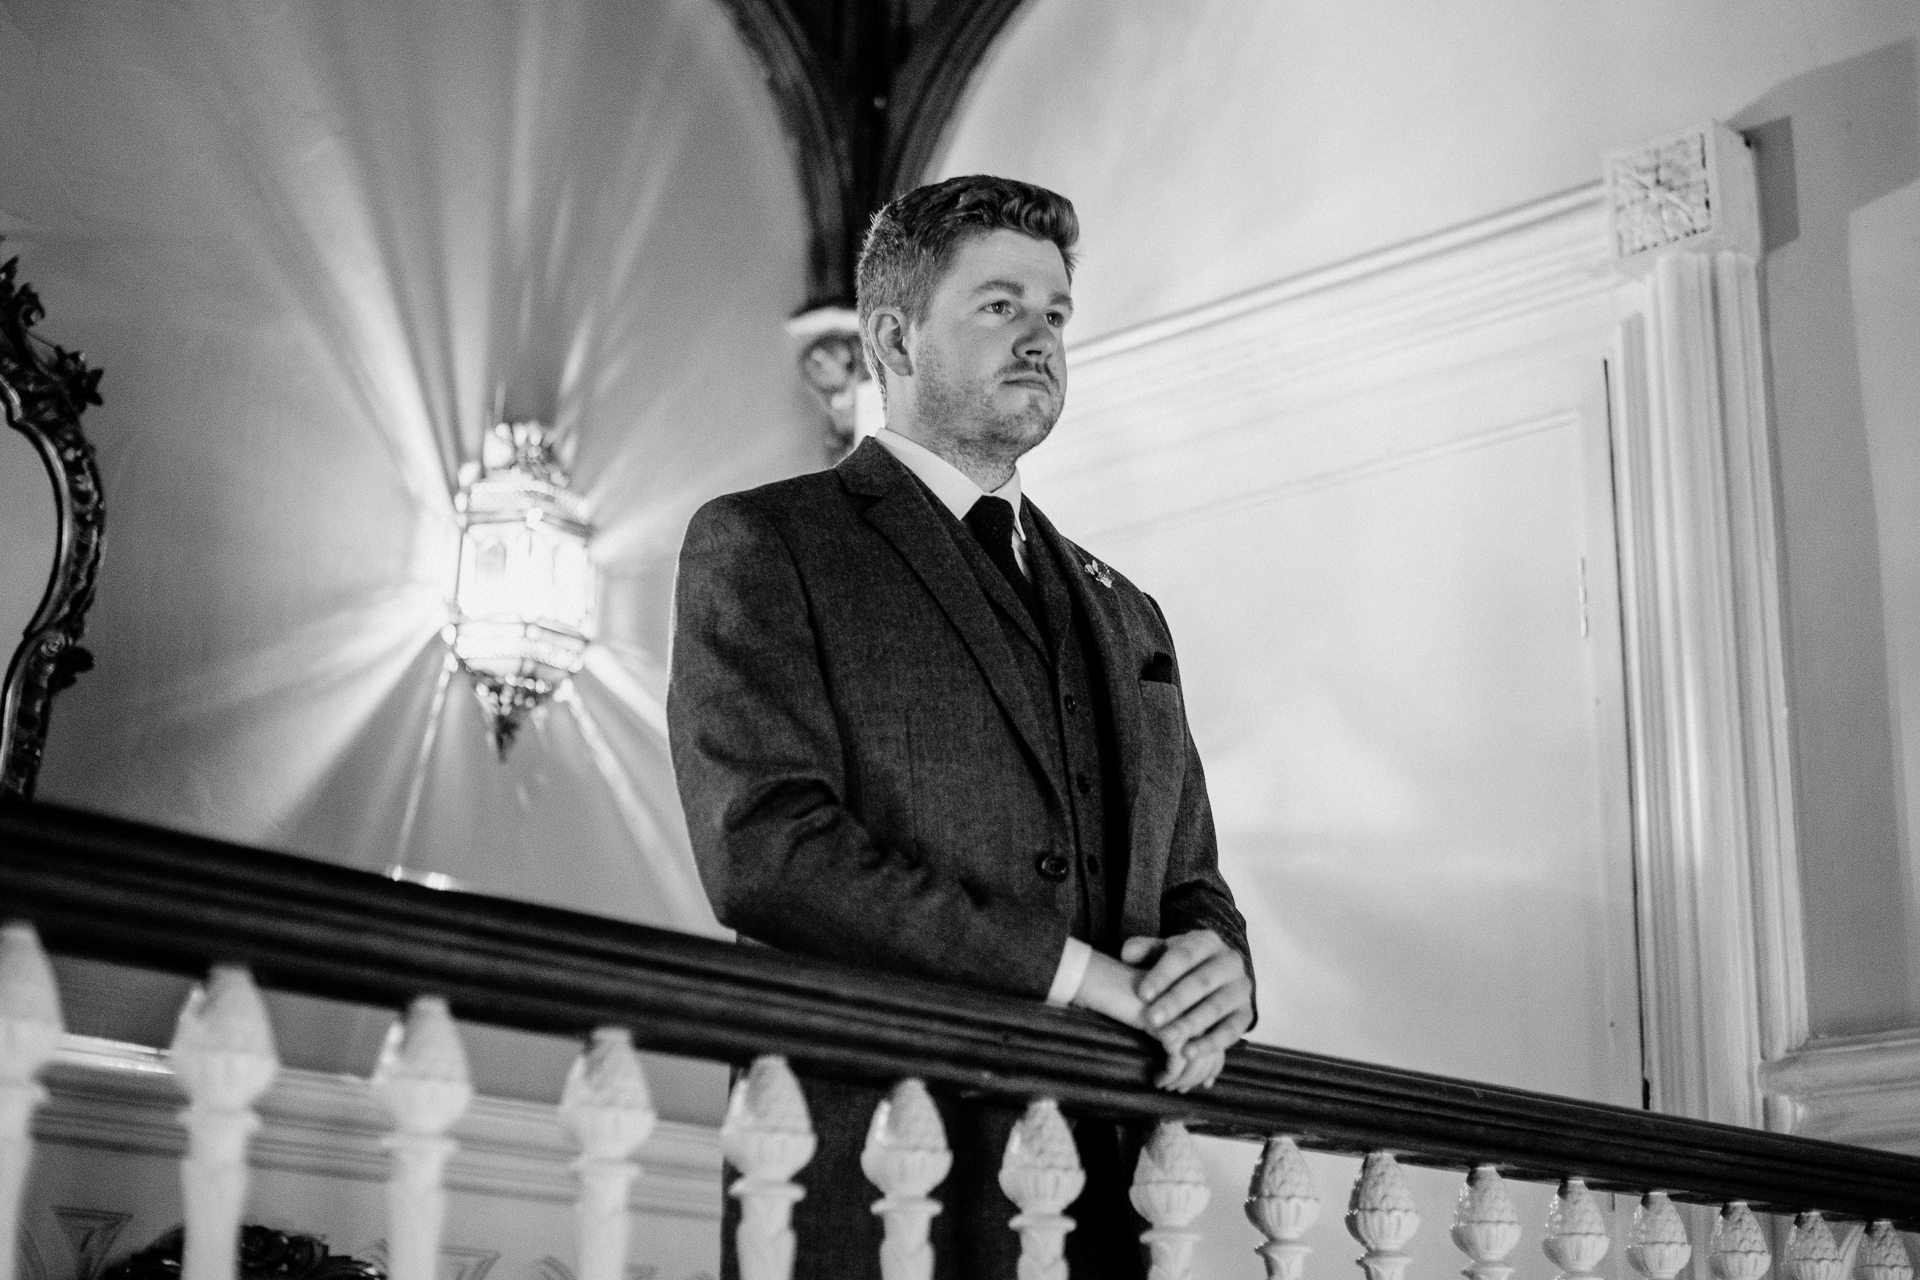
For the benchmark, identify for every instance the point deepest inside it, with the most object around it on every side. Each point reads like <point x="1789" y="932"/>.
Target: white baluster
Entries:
<point x="1658" y="1249"/>
<point x="1485" y="1227"/>
<point x="906" y="1156"/>
<point x="1381" y="1216"/>
<point x="608" y="1107"/>
<point x="1169" y="1191"/>
<point x="1282" y="1204"/>
<point x="1739" y="1249"/>
<point x="1041" y="1174"/>
<point x="223" y="1056"/>
<point x="768" y="1136"/>
<point x="1883" y="1255"/>
<point x="422" y="1081"/>
<point x="30" y="1029"/>
<point x="1812" y="1252"/>
<point x="1576" y="1236"/>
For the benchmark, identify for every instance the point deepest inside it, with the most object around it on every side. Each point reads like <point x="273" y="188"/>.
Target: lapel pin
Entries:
<point x="1099" y="573"/>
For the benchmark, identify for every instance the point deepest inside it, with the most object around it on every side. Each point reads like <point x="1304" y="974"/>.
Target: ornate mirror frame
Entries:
<point x="43" y="391"/>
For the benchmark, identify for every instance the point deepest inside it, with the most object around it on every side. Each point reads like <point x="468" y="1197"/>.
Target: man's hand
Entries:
<point x="1109" y="987"/>
<point x="1198" y="1001"/>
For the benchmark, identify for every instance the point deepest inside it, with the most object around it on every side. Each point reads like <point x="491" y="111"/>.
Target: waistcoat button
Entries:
<point x="1051" y="866"/>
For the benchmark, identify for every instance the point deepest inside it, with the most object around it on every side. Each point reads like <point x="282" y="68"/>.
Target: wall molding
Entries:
<point x="1541" y="248"/>
<point x="111" y="1096"/>
<point x="1453" y="317"/>
<point x="1858" y="1089"/>
<point x="1722" y="951"/>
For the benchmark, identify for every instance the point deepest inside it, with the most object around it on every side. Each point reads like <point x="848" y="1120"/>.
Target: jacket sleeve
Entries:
<point x="1195" y="895"/>
<point x="761" y="765"/>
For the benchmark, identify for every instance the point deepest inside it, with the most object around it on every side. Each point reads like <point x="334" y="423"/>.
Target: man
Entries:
<point x="917" y="729"/>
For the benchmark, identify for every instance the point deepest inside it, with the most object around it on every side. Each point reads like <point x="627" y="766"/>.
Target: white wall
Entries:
<point x="1219" y="145"/>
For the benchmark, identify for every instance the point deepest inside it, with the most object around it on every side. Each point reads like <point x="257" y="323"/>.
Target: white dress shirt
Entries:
<point x="957" y="492"/>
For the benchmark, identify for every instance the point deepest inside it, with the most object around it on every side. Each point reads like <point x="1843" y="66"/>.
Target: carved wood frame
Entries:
<point x="43" y="390"/>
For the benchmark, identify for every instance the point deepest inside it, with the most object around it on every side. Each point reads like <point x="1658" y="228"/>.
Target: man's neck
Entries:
<point x="989" y="470"/>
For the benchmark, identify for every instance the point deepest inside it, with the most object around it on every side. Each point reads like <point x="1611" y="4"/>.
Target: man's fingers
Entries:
<point x="1197" y="1070"/>
<point x="1183" y="1072"/>
<point x="1174" y="1068"/>
<point x="1181" y="956"/>
<point x="1140" y="950"/>
<point x="1203" y="1017"/>
<point x="1215" y="972"/>
<point x="1223" y="1036"/>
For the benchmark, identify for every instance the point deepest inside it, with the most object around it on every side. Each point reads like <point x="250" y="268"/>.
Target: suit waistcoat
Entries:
<point x="1063" y="677"/>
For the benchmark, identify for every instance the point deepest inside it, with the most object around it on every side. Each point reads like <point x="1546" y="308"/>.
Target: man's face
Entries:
<point x="990" y="370"/>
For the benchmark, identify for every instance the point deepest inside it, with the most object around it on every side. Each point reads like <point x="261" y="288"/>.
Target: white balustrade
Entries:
<point x="1812" y="1252"/>
<point x="607" y="1106"/>
<point x="906" y="1156"/>
<point x="1576" y="1238"/>
<point x="768" y="1136"/>
<point x="1169" y="1191"/>
<point x="1281" y="1202"/>
<point x="1485" y="1226"/>
<point x="422" y="1081"/>
<point x="1739" y="1249"/>
<point x="1381" y="1216"/>
<point x="223" y="1057"/>
<point x="30" y="1029"/>
<point x="1041" y="1174"/>
<point x="1883" y="1255"/>
<point x="1658" y="1248"/>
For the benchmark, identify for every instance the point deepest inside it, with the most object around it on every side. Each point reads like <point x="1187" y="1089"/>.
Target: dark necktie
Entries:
<point x="991" y="522"/>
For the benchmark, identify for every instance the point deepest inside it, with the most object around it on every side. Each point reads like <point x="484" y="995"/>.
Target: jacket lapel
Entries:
<point x="904" y="516"/>
<point x="1151" y="745"/>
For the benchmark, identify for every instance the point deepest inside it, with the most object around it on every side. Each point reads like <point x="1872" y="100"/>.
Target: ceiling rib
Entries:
<point x="865" y="90"/>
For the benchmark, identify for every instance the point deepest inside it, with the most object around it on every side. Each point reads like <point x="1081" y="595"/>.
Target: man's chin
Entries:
<point x="1032" y="404"/>
<point x="1029" y="427"/>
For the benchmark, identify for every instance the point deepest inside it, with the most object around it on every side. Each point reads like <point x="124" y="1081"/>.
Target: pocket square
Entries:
<point x="1159" y="669"/>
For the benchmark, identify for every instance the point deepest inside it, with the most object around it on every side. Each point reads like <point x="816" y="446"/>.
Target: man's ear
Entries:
<point x="886" y="333"/>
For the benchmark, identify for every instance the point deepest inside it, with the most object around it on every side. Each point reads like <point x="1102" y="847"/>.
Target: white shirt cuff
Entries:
<point x="1074" y="958"/>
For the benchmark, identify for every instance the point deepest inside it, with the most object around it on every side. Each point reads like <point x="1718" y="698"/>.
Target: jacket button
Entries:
<point x="1052" y="866"/>
<point x="1072" y="703"/>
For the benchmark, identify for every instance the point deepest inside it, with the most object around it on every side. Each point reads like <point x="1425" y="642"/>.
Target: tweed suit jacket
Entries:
<point x="863" y="772"/>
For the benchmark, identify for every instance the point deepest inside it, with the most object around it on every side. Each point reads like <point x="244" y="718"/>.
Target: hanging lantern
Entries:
<point x="523" y="603"/>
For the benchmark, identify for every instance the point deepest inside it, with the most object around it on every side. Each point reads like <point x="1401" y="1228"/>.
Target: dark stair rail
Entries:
<point x="118" y="890"/>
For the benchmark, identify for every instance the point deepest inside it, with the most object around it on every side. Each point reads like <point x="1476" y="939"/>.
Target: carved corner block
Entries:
<point x="833" y="364"/>
<point x="1693" y="191"/>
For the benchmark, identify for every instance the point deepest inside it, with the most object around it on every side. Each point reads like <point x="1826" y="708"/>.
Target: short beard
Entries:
<point x="970" y="432"/>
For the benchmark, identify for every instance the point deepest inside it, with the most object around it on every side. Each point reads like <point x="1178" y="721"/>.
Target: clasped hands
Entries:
<point x="1190" y="991"/>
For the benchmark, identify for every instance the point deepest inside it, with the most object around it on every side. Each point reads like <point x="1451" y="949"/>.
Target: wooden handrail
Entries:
<point x="118" y="890"/>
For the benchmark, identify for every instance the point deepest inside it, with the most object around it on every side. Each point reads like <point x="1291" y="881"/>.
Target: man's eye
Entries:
<point x="999" y="308"/>
<point x="1057" y="319"/>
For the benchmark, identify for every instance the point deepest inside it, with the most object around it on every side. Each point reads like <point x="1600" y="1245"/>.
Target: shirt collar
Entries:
<point x="949" y="483"/>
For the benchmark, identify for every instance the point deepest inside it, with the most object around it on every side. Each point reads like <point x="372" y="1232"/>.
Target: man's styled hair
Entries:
<point x="913" y="239"/>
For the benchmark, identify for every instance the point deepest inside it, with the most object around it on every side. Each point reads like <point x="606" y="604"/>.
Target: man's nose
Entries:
<point x="1037" y="341"/>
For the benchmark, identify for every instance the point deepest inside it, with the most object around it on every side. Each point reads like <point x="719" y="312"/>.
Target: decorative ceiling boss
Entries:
<point x="523" y="605"/>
